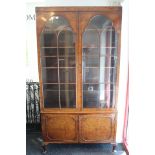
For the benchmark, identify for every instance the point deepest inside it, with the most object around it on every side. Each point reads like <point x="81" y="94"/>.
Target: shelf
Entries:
<point x="105" y="28"/>
<point x="97" y="47"/>
<point x="60" y="90"/>
<point x="58" y="47"/>
<point x="59" y="83"/>
<point x="99" y="83"/>
<point x="82" y="47"/>
<point x="100" y="67"/>
<point x="56" y="67"/>
<point x="95" y="91"/>
<point x="59" y="56"/>
<point x="97" y="55"/>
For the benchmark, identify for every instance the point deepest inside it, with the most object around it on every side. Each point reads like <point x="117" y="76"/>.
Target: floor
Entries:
<point x="34" y="142"/>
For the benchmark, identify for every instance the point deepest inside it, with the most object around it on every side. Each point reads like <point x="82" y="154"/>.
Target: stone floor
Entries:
<point x="34" y="142"/>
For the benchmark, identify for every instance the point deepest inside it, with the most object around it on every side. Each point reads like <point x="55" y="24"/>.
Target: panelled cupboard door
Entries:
<point x="60" y="128"/>
<point x="58" y="59"/>
<point x="99" y="59"/>
<point x="96" y="128"/>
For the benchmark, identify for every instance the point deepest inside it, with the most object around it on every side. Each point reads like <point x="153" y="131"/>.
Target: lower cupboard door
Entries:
<point x="97" y="128"/>
<point x="60" y="128"/>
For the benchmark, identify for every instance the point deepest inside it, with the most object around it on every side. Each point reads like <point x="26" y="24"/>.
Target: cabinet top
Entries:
<point x="81" y="8"/>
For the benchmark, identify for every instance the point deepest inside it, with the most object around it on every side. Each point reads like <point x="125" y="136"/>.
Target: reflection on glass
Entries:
<point x="67" y="75"/>
<point x="98" y="95"/>
<point x="49" y="62"/>
<point x="47" y="51"/>
<point x="58" y="64"/>
<point x="67" y="62"/>
<point x="49" y="39"/>
<point x="89" y="41"/>
<point x="98" y="75"/>
<point x="66" y="38"/>
<point x="99" y="63"/>
<point x="50" y="75"/>
<point x="70" y="52"/>
<point x="51" y="99"/>
<point x="65" y="100"/>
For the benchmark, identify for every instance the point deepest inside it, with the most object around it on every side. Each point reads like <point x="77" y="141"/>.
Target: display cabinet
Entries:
<point x="78" y="61"/>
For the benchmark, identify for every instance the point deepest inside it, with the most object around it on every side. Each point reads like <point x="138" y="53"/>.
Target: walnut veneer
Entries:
<point x="76" y="106"/>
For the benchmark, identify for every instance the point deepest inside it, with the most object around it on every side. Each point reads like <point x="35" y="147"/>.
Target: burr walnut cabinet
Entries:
<point x="78" y="61"/>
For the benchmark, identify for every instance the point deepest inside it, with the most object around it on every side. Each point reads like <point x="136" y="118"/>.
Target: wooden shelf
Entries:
<point x="101" y="67"/>
<point x="59" y="56"/>
<point x="59" y="83"/>
<point x="97" y="47"/>
<point x="97" y="55"/>
<point x="56" y="67"/>
<point x="58" y="47"/>
<point x="58" y="90"/>
<point x="99" y="83"/>
<point x="114" y="89"/>
<point x="105" y="28"/>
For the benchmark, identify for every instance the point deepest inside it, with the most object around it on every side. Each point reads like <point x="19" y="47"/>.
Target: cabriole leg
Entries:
<point x="113" y="147"/>
<point x="44" y="148"/>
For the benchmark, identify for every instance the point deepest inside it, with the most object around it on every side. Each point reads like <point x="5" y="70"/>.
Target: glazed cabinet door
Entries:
<point x="99" y="59"/>
<point x="57" y="57"/>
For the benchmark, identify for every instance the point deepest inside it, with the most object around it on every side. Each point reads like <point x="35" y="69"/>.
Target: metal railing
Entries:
<point x="32" y="106"/>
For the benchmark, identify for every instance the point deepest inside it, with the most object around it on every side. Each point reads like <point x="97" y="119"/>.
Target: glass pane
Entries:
<point x="66" y="38"/>
<point x="51" y="87"/>
<point x="49" y="52"/>
<point x="68" y="99"/>
<point x="67" y="87"/>
<point x="49" y="39"/>
<point x="49" y="62"/>
<point x="56" y="23"/>
<point x="91" y="39"/>
<point x="91" y="57"/>
<point x="90" y="99"/>
<point x="99" y="22"/>
<point x="51" y="95"/>
<point x="49" y="75"/>
<point x="98" y="95"/>
<point x="67" y="51"/>
<point x="68" y="95"/>
<point x="91" y="75"/>
<point x="107" y="95"/>
<point x="99" y="75"/>
<point x="51" y="99"/>
<point x="99" y="63"/>
<point x="90" y="95"/>
<point x="58" y="64"/>
<point x="67" y="75"/>
<point x="67" y="61"/>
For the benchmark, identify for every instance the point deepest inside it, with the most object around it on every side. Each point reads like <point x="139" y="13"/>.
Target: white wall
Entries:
<point x="31" y="50"/>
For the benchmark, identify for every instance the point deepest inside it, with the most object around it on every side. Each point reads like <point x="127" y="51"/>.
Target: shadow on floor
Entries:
<point x="34" y="143"/>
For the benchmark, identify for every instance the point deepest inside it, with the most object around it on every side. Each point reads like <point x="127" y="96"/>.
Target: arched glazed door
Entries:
<point x="99" y="62"/>
<point x="58" y="61"/>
